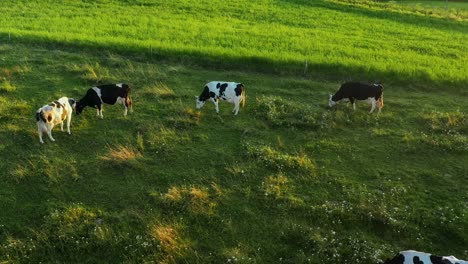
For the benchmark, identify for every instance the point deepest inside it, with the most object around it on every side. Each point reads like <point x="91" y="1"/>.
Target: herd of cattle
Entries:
<point x="58" y="111"/>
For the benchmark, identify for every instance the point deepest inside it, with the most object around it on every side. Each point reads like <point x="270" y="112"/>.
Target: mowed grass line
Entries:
<point x="335" y="40"/>
<point x="286" y="180"/>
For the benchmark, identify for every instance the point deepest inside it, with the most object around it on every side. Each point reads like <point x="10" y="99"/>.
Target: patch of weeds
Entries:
<point x="283" y="113"/>
<point x="277" y="186"/>
<point x="196" y="200"/>
<point x="6" y="86"/>
<point x="7" y="75"/>
<point x="171" y="244"/>
<point x="53" y="168"/>
<point x="451" y="142"/>
<point x="77" y="233"/>
<point x="280" y="161"/>
<point x="122" y="156"/>
<point x="184" y="118"/>
<point x="448" y="123"/>
<point x="140" y="142"/>
<point x="163" y="138"/>
<point x="159" y="90"/>
<point x="92" y="73"/>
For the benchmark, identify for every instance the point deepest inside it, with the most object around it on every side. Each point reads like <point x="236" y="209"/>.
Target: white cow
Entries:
<point x="231" y="92"/>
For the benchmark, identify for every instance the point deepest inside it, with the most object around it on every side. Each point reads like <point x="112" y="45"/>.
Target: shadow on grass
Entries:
<point x="328" y="71"/>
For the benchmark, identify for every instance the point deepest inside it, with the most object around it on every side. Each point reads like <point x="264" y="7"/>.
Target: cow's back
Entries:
<point x="360" y="91"/>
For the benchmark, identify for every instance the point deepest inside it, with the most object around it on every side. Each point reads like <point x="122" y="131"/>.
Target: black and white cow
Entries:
<point x="411" y="257"/>
<point x="109" y="94"/>
<point x="231" y="92"/>
<point x="359" y="91"/>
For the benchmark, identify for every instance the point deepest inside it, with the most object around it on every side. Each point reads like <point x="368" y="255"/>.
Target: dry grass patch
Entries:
<point x="159" y="90"/>
<point x="197" y="200"/>
<point x="171" y="242"/>
<point x="121" y="155"/>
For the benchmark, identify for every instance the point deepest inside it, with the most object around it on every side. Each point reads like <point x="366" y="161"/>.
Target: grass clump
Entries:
<point x="6" y="86"/>
<point x="448" y="123"/>
<point x="196" y="200"/>
<point x="92" y="73"/>
<point x="184" y="118"/>
<point x="159" y="90"/>
<point x="283" y="113"/>
<point x="280" y="161"/>
<point x="277" y="186"/>
<point x="171" y="244"/>
<point x="122" y="155"/>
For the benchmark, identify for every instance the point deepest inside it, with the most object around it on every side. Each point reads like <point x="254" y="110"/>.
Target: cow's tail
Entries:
<point x="381" y="100"/>
<point x="243" y="96"/>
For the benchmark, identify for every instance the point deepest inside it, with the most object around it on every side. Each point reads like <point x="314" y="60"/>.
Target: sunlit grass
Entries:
<point x="288" y="180"/>
<point x="288" y="34"/>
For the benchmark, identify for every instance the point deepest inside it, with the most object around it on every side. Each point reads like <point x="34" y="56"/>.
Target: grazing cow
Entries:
<point x="232" y="92"/>
<point x="109" y="94"/>
<point x="411" y="256"/>
<point x="359" y="91"/>
<point x="52" y="114"/>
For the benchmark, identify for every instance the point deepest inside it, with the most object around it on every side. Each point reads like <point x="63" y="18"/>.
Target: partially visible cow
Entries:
<point x="109" y="94"/>
<point x="359" y="91"/>
<point x="231" y="92"/>
<point x="52" y="114"/>
<point x="411" y="257"/>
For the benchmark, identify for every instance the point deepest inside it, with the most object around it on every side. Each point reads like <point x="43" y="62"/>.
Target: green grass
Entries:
<point x="334" y="39"/>
<point x="457" y="5"/>
<point x="287" y="180"/>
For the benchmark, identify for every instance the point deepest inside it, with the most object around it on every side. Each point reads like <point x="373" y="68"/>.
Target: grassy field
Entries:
<point x="286" y="181"/>
<point x="457" y="5"/>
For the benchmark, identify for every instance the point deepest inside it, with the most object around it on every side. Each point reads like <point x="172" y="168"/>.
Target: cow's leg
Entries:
<point x="236" y="105"/>
<point x="123" y="101"/>
<point x="99" y="109"/>
<point x="353" y="102"/>
<point x="373" y="105"/>
<point x="61" y="126"/>
<point x="68" y="124"/>
<point x="39" y="131"/>
<point x="215" y="102"/>
<point x="49" y="132"/>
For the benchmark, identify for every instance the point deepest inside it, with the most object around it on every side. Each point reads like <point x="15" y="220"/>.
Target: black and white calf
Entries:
<point x="411" y="257"/>
<point x="52" y="114"/>
<point x="109" y="94"/>
<point x="231" y="92"/>
<point x="359" y="91"/>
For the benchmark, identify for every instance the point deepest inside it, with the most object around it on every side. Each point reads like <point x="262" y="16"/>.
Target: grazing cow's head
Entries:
<point x="199" y="103"/>
<point x="331" y="102"/>
<point x="79" y="107"/>
<point x="72" y="102"/>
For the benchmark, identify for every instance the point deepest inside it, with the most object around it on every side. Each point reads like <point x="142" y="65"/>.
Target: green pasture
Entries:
<point x="288" y="180"/>
<point x="332" y="39"/>
<point x="460" y="5"/>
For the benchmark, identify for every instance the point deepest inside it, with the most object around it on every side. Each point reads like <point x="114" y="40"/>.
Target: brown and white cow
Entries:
<point x="53" y="114"/>
<point x="231" y="92"/>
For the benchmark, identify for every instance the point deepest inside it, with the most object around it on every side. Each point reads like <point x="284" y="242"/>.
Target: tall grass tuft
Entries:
<point x="196" y="200"/>
<point x="122" y="156"/>
<point x="299" y="162"/>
